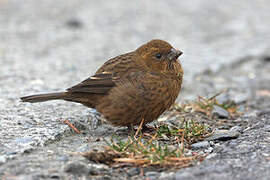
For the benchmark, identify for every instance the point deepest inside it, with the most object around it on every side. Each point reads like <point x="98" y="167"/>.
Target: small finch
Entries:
<point x="139" y="85"/>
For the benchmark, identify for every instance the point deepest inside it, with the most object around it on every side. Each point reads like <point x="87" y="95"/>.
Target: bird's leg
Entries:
<point x="139" y="128"/>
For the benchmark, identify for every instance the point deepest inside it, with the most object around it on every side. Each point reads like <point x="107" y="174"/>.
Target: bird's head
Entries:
<point x="158" y="56"/>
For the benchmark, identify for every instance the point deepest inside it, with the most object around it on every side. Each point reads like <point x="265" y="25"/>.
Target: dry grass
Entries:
<point x="167" y="145"/>
<point x="206" y="105"/>
<point x="163" y="147"/>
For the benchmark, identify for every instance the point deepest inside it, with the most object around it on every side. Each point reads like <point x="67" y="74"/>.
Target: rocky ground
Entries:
<point x="51" y="45"/>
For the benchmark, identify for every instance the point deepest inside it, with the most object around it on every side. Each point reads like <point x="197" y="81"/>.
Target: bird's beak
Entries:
<point x="174" y="54"/>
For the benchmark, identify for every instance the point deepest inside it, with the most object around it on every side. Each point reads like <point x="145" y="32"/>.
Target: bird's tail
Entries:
<point x="43" y="97"/>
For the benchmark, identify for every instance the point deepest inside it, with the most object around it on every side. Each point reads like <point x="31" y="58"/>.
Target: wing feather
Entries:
<point x="99" y="84"/>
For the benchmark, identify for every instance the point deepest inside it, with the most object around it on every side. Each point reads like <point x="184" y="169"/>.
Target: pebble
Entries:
<point x="200" y="145"/>
<point x="151" y="175"/>
<point x="77" y="168"/>
<point x="220" y="112"/>
<point x="209" y="150"/>
<point x="237" y="129"/>
<point x="224" y="135"/>
<point x="166" y="176"/>
<point x="55" y="176"/>
<point x="266" y="58"/>
<point x="74" y="23"/>
<point x="134" y="171"/>
<point x="3" y="160"/>
<point x="222" y="98"/>
<point x="96" y="169"/>
<point x="241" y="98"/>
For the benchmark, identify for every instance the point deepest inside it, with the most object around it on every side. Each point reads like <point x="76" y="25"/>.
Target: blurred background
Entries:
<point x="49" y="45"/>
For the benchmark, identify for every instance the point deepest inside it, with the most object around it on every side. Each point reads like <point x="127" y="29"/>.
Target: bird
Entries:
<point x="135" y="86"/>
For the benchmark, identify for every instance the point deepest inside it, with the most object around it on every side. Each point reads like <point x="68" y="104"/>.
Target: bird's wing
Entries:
<point x="100" y="83"/>
<point x="106" y="76"/>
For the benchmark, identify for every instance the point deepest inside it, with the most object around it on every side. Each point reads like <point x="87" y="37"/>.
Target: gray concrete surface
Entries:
<point x="50" y="45"/>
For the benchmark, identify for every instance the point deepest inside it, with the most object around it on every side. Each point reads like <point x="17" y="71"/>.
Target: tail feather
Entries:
<point x="43" y="97"/>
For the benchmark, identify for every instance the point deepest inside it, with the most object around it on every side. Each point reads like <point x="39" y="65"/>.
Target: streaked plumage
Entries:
<point x="139" y="84"/>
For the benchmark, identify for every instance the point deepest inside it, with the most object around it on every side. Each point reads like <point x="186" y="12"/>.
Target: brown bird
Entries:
<point x="139" y="85"/>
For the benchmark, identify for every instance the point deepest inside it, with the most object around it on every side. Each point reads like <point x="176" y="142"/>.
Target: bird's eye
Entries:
<point x="158" y="55"/>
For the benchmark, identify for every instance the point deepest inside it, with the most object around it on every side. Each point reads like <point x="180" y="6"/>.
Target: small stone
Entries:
<point x="166" y="176"/>
<point x="241" y="98"/>
<point x="134" y="171"/>
<point x="223" y="98"/>
<point x="220" y="112"/>
<point x="11" y="153"/>
<point x="237" y="129"/>
<point x="55" y="176"/>
<point x="200" y="145"/>
<point x="151" y="175"/>
<point x="74" y="23"/>
<point x="77" y="168"/>
<point x="3" y="160"/>
<point x="97" y="169"/>
<point x="209" y="150"/>
<point x="266" y="58"/>
<point x="224" y="135"/>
